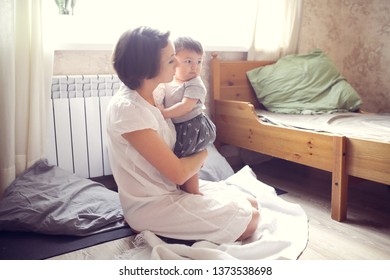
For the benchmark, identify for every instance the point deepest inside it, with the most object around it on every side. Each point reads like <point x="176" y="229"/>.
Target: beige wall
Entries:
<point x="356" y="35"/>
<point x="82" y="62"/>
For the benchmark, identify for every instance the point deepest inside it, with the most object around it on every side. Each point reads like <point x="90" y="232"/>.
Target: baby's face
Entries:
<point x="189" y="65"/>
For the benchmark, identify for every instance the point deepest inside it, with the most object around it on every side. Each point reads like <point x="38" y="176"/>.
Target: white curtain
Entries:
<point x="26" y="68"/>
<point x="277" y="29"/>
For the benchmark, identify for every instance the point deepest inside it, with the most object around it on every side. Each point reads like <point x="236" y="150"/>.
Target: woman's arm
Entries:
<point x="153" y="148"/>
<point x="179" y="109"/>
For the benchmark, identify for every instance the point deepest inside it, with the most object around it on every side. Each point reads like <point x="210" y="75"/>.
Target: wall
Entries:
<point x="82" y="62"/>
<point x="356" y="35"/>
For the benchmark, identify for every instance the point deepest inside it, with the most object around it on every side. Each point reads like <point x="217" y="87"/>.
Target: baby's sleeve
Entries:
<point x="195" y="89"/>
<point x="159" y="94"/>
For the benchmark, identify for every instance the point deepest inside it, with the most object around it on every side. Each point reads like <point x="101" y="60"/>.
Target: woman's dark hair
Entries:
<point x="137" y="55"/>
<point x="187" y="43"/>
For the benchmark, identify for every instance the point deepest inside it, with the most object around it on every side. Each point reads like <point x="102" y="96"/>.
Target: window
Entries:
<point x="218" y="24"/>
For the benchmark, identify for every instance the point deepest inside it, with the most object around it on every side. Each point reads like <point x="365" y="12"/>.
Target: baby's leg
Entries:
<point x="192" y="185"/>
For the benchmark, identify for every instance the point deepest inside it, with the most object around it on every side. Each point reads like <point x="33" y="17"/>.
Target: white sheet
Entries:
<point x="282" y="232"/>
<point x="364" y="126"/>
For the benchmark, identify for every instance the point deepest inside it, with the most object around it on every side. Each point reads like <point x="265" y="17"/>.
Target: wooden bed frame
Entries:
<point x="237" y="124"/>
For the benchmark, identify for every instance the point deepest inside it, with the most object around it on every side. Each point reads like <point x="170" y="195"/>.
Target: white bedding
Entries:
<point x="364" y="126"/>
<point x="282" y="232"/>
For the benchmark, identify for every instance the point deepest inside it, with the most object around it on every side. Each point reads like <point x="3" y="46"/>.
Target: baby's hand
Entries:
<point x="160" y="107"/>
<point x="162" y="110"/>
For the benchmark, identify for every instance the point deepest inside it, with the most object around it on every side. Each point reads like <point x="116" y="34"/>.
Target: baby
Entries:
<point x="183" y="100"/>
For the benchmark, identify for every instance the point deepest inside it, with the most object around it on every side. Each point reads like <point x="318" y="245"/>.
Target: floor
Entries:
<point x="365" y="235"/>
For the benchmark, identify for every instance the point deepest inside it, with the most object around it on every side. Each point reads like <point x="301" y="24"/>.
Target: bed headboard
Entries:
<point x="230" y="81"/>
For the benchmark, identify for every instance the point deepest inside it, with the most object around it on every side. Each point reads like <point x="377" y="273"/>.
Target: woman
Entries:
<point x="140" y="143"/>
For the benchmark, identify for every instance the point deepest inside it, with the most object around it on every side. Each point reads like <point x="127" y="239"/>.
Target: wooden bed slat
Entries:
<point x="233" y="121"/>
<point x="369" y="160"/>
<point x="240" y="93"/>
<point x="231" y="80"/>
<point x="339" y="197"/>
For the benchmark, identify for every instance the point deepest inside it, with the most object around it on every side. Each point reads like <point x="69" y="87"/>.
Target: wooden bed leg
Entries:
<point x="339" y="198"/>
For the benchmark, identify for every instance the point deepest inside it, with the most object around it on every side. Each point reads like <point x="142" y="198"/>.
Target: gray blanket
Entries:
<point x="48" y="199"/>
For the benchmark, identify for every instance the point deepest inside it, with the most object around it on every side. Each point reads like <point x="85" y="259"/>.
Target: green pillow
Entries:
<point x="303" y="84"/>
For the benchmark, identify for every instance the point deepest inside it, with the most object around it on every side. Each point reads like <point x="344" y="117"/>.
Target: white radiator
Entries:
<point x="76" y="134"/>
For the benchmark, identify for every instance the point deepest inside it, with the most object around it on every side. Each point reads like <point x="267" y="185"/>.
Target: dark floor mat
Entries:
<point x="35" y="246"/>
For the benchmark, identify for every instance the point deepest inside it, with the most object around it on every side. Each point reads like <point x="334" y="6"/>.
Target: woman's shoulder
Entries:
<point x="126" y="97"/>
<point x="128" y="111"/>
<point x="127" y="104"/>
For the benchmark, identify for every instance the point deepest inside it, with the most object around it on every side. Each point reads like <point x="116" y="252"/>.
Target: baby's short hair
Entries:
<point x="187" y="43"/>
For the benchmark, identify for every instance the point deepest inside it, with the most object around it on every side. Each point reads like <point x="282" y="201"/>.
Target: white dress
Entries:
<point x="152" y="202"/>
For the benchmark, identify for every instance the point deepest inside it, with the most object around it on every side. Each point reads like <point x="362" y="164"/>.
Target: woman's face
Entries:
<point x="168" y="64"/>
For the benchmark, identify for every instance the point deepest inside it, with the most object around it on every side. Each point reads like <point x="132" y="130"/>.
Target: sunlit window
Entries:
<point x="218" y="24"/>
